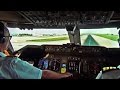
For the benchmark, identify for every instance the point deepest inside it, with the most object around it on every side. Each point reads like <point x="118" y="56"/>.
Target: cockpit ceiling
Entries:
<point x="59" y="19"/>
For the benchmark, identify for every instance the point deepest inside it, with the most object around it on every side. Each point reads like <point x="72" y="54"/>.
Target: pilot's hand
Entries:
<point x="67" y="74"/>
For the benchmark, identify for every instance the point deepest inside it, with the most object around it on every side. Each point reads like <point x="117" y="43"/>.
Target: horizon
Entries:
<point x="14" y="31"/>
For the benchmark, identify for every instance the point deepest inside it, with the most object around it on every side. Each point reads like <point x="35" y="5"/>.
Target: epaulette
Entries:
<point x="106" y="69"/>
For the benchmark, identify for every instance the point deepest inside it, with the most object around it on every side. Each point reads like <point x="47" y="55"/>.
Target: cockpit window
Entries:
<point x="21" y="38"/>
<point x="107" y="37"/>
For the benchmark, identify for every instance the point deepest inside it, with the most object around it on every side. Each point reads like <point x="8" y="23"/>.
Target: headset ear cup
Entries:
<point x="2" y="40"/>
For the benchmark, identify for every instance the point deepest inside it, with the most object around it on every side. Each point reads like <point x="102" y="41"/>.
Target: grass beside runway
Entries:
<point x="109" y="36"/>
<point x="48" y="39"/>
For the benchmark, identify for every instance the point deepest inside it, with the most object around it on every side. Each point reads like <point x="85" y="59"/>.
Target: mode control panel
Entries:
<point x="75" y="50"/>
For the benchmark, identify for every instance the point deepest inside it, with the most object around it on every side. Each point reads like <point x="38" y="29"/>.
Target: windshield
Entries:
<point x="107" y="37"/>
<point x="21" y="38"/>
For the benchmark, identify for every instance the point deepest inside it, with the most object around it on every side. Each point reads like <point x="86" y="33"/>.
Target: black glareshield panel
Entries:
<point x="32" y="53"/>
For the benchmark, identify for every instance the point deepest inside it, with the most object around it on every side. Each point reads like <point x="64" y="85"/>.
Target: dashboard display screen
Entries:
<point x="43" y="64"/>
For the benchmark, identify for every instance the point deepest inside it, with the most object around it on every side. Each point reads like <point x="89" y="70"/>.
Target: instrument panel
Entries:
<point x="84" y="62"/>
<point x="84" y="67"/>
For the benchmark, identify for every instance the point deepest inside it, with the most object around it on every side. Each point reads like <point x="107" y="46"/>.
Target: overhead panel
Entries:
<point x="60" y="19"/>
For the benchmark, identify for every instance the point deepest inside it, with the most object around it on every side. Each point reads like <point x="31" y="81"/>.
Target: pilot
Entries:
<point x="119" y="33"/>
<point x="12" y="67"/>
<point x="109" y="73"/>
<point x="119" y="38"/>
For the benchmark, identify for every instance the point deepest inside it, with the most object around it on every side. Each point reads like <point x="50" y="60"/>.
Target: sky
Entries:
<point x="63" y="31"/>
<point x="37" y="31"/>
<point x="101" y="31"/>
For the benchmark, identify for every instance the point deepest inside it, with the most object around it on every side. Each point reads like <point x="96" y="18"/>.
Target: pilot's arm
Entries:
<point x="48" y="74"/>
<point x="23" y="70"/>
<point x="99" y="76"/>
<point x="113" y="73"/>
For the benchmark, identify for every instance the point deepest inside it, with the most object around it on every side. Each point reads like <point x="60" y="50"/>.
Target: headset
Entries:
<point x="2" y="38"/>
